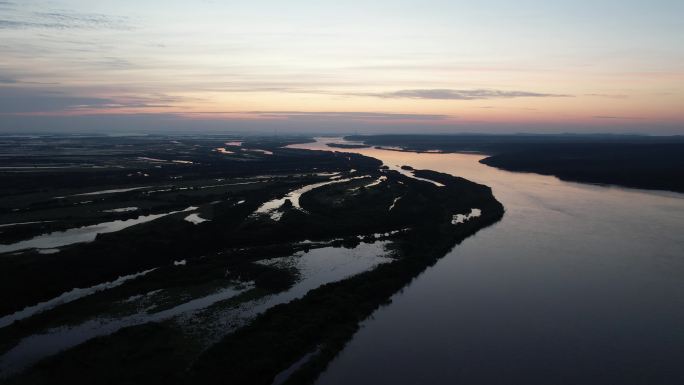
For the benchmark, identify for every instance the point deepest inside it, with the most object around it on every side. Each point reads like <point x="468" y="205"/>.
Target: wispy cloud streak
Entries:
<point x="324" y="115"/>
<point x="62" y="20"/>
<point x="16" y="100"/>
<point x="618" y="117"/>
<point x="453" y="94"/>
<point x="374" y="116"/>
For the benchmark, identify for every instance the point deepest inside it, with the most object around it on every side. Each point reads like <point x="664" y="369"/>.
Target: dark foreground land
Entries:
<point x="214" y="289"/>
<point x="625" y="160"/>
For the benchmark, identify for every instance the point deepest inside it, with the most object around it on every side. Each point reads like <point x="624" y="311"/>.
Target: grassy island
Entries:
<point x="235" y="217"/>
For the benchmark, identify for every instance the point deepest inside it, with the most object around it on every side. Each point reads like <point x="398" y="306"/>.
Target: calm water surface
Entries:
<point x="316" y="267"/>
<point x="578" y="284"/>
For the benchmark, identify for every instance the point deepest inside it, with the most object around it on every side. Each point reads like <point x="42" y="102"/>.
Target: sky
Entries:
<point x="382" y="66"/>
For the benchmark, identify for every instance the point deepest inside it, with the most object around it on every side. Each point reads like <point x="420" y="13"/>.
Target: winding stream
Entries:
<point x="316" y="267"/>
<point x="82" y="234"/>
<point x="578" y="284"/>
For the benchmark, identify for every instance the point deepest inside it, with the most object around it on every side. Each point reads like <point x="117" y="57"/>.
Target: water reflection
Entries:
<point x="271" y="207"/>
<point x="578" y="284"/>
<point x="462" y="218"/>
<point x="81" y="234"/>
<point x="67" y="297"/>
<point x="316" y="267"/>
<point x="204" y="315"/>
<point x="39" y="346"/>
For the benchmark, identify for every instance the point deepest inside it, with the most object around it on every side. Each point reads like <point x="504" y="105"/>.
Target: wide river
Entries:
<point x="578" y="284"/>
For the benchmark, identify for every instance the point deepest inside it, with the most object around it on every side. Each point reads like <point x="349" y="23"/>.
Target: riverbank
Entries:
<point x="328" y="317"/>
<point x="536" y="297"/>
<point x="645" y="162"/>
<point x="288" y="246"/>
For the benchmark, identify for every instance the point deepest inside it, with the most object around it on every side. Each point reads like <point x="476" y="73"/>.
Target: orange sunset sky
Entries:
<point x="300" y="66"/>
